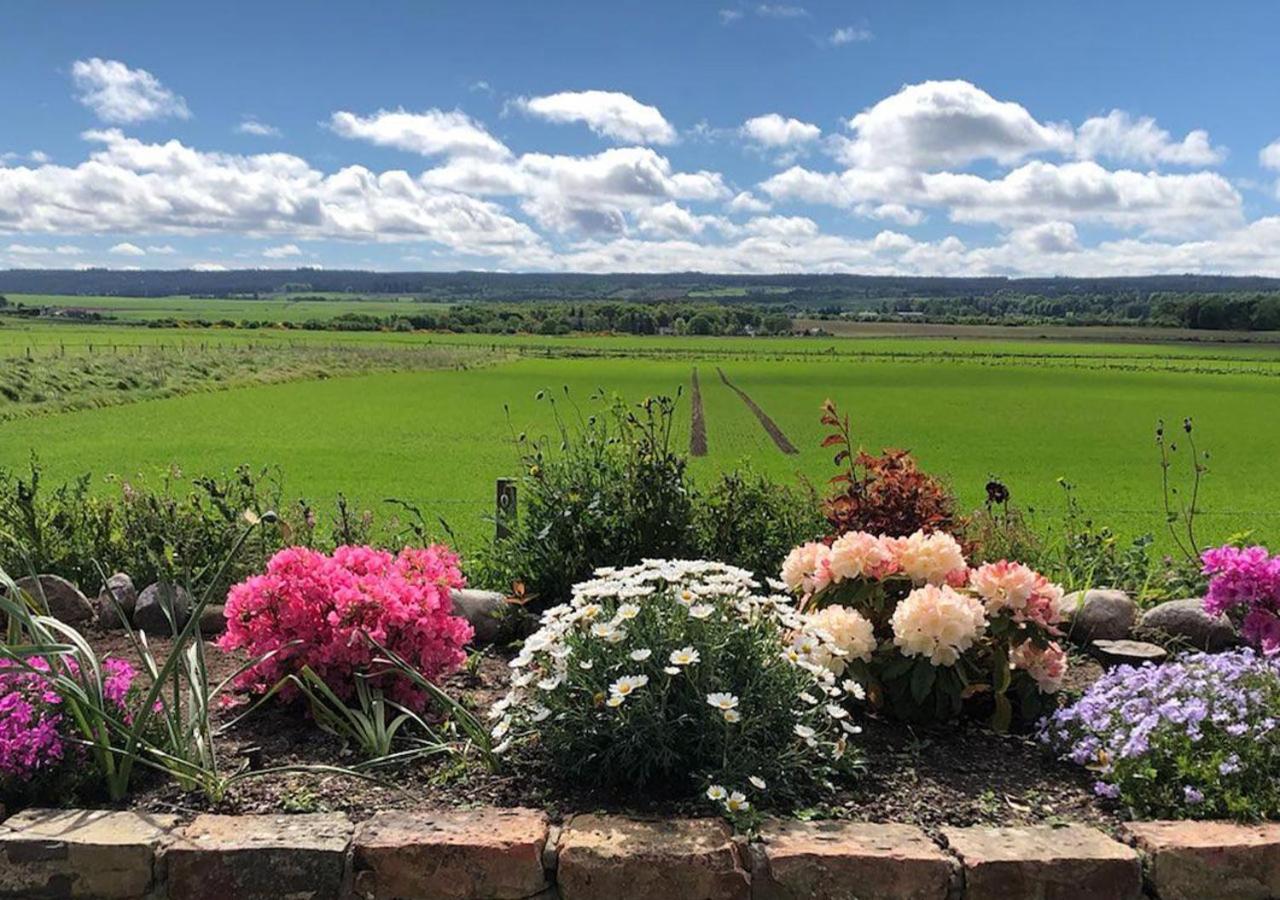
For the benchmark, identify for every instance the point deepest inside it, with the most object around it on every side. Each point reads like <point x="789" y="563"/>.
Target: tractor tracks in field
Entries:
<point x="771" y="427"/>
<point x="698" y="422"/>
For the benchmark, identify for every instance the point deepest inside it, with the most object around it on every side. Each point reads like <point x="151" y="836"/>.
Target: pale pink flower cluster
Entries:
<point x="862" y="555"/>
<point x="314" y="610"/>
<point x="938" y="622"/>
<point x="1047" y="665"/>
<point x="1019" y="590"/>
<point x="845" y="633"/>
<point x="934" y="558"/>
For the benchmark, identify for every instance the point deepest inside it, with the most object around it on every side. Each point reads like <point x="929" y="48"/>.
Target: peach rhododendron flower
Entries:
<point x="314" y="610"/>
<point x="932" y="558"/>
<point x="862" y="555"/>
<point x="807" y="568"/>
<point x="937" y="622"/>
<point x="1047" y="665"/>
<point x="1003" y="585"/>
<point x="844" y="629"/>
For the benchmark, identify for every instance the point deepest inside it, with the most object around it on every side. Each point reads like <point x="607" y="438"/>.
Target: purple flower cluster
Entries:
<point x="30" y="723"/>
<point x="1246" y="578"/>
<point x="33" y="738"/>
<point x="1202" y="732"/>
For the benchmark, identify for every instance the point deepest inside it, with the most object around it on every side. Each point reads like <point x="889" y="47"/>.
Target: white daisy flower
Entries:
<point x="685" y="656"/>
<point x="732" y="716"/>
<point x="626" y="612"/>
<point x="850" y="728"/>
<point x="641" y="655"/>
<point x="808" y="698"/>
<point x="586" y="665"/>
<point x="524" y="679"/>
<point x="615" y="700"/>
<point x="757" y="782"/>
<point x="628" y="684"/>
<point x="716" y="792"/>
<point x="671" y="670"/>
<point x="549" y="684"/>
<point x="501" y="729"/>
<point x="854" y="689"/>
<point x="722" y="701"/>
<point x="836" y="712"/>
<point x="737" y="802"/>
<point x="701" y="610"/>
<point x="539" y="713"/>
<point x="804" y="731"/>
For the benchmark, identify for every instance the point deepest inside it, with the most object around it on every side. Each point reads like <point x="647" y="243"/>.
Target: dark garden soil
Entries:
<point x="771" y="427"/>
<point x="963" y="775"/>
<point x="697" y="420"/>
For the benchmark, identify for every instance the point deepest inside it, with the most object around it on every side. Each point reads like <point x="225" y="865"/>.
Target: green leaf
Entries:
<point x="922" y="679"/>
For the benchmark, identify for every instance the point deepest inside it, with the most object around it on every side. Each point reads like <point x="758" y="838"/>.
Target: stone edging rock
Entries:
<point x="510" y="854"/>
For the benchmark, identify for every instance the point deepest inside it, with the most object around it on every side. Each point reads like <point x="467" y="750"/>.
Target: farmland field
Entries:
<point x="1026" y="411"/>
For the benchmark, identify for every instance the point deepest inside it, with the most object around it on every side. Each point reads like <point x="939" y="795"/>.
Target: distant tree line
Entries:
<point x="1246" y="311"/>
<point x="542" y="318"/>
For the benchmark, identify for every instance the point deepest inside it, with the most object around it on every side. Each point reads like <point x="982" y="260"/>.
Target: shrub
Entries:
<point x="886" y="494"/>
<point x="62" y="531"/>
<point x="1194" y="738"/>
<point x="607" y="489"/>
<point x="1245" y="583"/>
<point x="923" y="631"/>
<point x="676" y="675"/>
<point x="749" y="521"/>
<point x="311" y="610"/>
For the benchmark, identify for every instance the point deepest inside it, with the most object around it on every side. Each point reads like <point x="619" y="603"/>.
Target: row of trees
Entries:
<point x="1245" y="311"/>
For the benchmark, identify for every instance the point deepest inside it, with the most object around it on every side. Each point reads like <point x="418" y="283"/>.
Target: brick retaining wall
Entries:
<point x="510" y="854"/>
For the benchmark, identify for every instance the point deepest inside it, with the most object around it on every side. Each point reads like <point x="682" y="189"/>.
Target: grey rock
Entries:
<point x="1131" y="653"/>
<point x="64" y="598"/>
<point x="213" y="620"/>
<point x="1099" y="614"/>
<point x="149" y="614"/>
<point x="120" y="586"/>
<point x="483" y="609"/>
<point x="1186" y="619"/>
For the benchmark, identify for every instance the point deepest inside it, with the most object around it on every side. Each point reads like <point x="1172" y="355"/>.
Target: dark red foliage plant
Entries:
<point x="885" y="494"/>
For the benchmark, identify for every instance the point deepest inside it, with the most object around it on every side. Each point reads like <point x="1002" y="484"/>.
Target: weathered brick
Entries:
<point x="487" y="854"/>
<point x="614" y="858"/>
<point x="1196" y="860"/>
<point x="849" y="861"/>
<point x="249" y="857"/>
<point x="80" y="853"/>
<point x="1043" y="862"/>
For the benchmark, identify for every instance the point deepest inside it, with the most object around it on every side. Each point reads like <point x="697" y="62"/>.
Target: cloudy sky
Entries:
<point x="931" y="137"/>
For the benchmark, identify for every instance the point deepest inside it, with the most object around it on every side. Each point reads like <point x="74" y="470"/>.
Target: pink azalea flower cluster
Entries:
<point x="1246" y="578"/>
<point x="32" y="727"/>
<point x="327" y="604"/>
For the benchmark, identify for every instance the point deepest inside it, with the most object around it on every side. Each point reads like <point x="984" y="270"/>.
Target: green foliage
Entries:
<point x="748" y="520"/>
<point x="605" y="489"/>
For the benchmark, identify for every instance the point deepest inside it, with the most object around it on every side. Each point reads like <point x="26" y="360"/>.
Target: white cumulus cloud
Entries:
<point x="774" y="130"/>
<point x="257" y="129"/>
<point x="849" y="35"/>
<point x="939" y="124"/>
<point x="119" y="94"/>
<point x="127" y="249"/>
<point x="1121" y="137"/>
<point x="611" y="114"/>
<point x="431" y="133"/>
<point x="281" y="252"/>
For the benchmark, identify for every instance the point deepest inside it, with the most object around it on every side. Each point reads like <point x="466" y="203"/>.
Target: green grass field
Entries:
<point x="1027" y="411"/>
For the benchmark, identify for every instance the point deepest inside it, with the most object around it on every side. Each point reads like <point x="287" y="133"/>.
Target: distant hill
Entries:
<point x="458" y="286"/>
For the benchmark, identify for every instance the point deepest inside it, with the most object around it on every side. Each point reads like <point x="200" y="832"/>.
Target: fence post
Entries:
<point x="505" y="507"/>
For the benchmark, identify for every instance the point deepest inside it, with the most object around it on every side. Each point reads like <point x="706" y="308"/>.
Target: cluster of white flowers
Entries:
<point x="834" y="635"/>
<point x="584" y="652"/>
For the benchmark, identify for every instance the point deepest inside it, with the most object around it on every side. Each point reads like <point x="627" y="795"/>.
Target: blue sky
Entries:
<point x="905" y="137"/>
